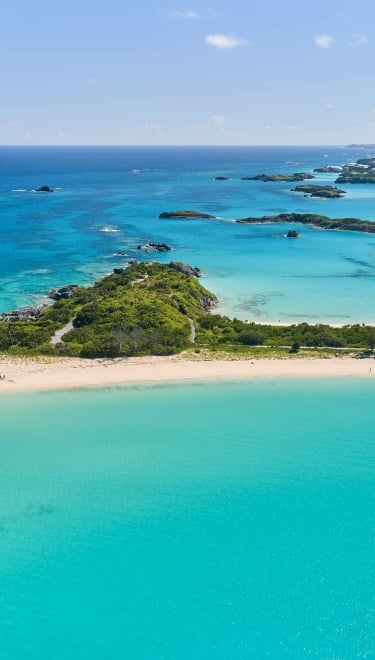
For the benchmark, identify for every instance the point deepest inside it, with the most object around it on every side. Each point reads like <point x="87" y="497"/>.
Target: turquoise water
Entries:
<point x="108" y="199"/>
<point x="229" y="520"/>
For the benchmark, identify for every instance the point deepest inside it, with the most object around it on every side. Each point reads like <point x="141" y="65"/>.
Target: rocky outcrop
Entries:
<point x="297" y="176"/>
<point x="25" y="314"/>
<point x="185" y="214"/>
<point x="209" y="302"/>
<point x="292" y="233"/>
<point x="221" y="178"/>
<point x="65" y="292"/>
<point x="44" y="189"/>
<point x="158" y="247"/>
<point x="191" y="271"/>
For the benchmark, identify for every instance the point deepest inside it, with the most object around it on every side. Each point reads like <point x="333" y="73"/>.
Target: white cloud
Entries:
<point x="358" y="40"/>
<point x="219" y="122"/>
<point x="324" y="40"/>
<point x="62" y="135"/>
<point x="185" y="14"/>
<point x="294" y="127"/>
<point x="329" y="106"/>
<point x="223" y="41"/>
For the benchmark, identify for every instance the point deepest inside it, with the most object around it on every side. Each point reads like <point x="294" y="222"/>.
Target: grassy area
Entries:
<point x="153" y="309"/>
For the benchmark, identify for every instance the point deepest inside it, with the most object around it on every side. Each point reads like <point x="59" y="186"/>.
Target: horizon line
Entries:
<point x="173" y="146"/>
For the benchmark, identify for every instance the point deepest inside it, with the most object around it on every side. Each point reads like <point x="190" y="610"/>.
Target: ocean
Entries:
<point x="206" y="520"/>
<point x="107" y="200"/>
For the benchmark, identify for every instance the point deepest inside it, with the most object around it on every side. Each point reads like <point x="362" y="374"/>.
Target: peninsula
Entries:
<point x="152" y="309"/>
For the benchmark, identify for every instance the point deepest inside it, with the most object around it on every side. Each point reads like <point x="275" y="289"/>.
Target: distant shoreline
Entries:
<point x="31" y="374"/>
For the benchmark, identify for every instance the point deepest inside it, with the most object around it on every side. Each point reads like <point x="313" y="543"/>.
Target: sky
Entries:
<point x="187" y="72"/>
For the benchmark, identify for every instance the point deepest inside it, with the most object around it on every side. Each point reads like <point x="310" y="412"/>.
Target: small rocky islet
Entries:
<point x="156" y="247"/>
<point x="185" y="214"/>
<point x="326" y="192"/>
<point x="45" y="189"/>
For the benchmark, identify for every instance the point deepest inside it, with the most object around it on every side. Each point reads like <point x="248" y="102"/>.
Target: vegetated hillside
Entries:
<point x="143" y="310"/>
<point x="153" y="309"/>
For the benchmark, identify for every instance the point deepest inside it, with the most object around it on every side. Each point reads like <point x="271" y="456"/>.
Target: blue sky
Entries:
<point x="175" y="72"/>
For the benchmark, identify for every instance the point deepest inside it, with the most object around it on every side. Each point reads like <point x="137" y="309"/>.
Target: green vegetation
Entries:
<point x="151" y="308"/>
<point x="363" y="171"/>
<point x="346" y="224"/>
<point x="297" y="176"/>
<point x="327" y="192"/>
<point x="220" y="331"/>
<point x="144" y="310"/>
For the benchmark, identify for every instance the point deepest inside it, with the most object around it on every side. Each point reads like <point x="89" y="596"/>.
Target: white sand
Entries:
<point x="50" y="373"/>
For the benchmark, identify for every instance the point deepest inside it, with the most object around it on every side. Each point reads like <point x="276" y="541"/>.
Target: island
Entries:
<point x="327" y="192"/>
<point x="329" y="169"/>
<point x="362" y="171"/>
<point x="221" y="178"/>
<point x="185" y="214"/>
<point x="321" y="221"/>
<point x="297" y="176"/>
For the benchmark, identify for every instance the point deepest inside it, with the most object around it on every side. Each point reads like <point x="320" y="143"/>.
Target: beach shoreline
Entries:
<point x="32" y="374"/>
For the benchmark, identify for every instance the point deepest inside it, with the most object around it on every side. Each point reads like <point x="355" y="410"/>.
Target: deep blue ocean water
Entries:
<point x="107" y="199"/>
<point x="229" y="520"/>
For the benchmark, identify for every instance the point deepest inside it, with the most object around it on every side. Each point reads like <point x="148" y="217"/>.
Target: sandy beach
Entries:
<point x="22" y="374"/>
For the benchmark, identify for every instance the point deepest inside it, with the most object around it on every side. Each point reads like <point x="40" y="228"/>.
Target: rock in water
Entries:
<point x="44" y="189"/>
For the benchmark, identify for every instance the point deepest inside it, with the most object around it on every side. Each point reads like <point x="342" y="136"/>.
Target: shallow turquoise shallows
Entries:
<point x="227" y="520"/>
